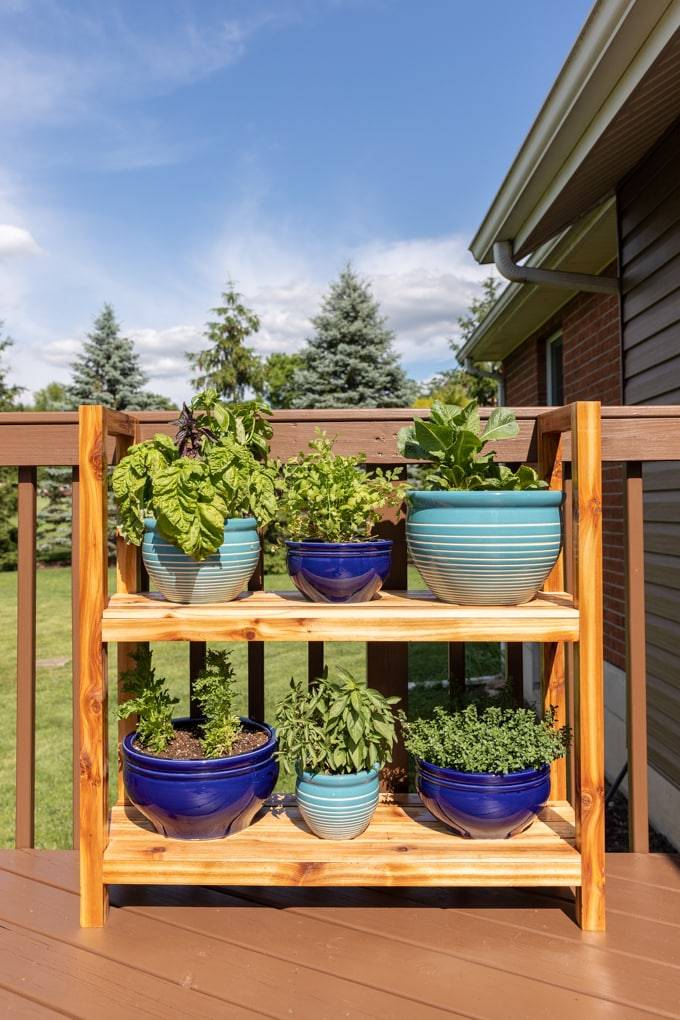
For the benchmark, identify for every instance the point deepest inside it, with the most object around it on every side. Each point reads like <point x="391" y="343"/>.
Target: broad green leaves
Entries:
<point x="331" y="498"/>
<point x="192" y="496"/>
<point x="452" y="440"/>
<point x="338" y="726"/>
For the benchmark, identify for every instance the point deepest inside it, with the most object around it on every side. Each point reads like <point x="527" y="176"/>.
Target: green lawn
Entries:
<point x="53" y="722"/>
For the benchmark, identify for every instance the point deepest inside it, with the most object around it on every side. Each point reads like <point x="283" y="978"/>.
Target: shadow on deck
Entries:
<point x="237" y="953"/>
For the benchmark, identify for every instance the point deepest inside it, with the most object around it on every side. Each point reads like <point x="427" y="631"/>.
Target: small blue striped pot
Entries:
<point x="218" y="578"/>
<point x="339" y="571"/>
<point x="485" y="548"/>
<point x="338" y="807"/>
<point x="483" y="805"/>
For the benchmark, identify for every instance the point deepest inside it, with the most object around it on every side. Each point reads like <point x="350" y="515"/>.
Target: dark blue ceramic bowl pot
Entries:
<point x="482" y="805"/>
<point x="203" y="798"/>
<point x="339" y="571"/>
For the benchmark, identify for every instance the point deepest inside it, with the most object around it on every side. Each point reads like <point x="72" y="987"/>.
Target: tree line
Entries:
<point x="349" y="360"/>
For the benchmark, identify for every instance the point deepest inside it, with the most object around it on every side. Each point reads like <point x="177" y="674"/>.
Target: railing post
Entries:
<point x="93" y="589"/>
<point x="636" y="667"/>
<point x="25" y="729"/>
<point x="588" y="663"/>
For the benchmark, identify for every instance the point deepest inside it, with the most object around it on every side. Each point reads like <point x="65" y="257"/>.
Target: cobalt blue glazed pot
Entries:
<point x="339" y="571"/>
<point x="485" y="548"/>
<point x="483" y="805"/>
<point x="338" y="807"/>
<point x="218" y="578"/>
<point x="202" y="798"/>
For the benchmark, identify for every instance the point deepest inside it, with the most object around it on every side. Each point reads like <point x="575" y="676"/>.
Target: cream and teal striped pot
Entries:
<point x="218" y="578"/>
<point x="480" y="548"/>
<point x="338" y="807"/>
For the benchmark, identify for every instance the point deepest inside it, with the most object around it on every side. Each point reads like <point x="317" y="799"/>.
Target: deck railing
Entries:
<point x="631" y="436"/>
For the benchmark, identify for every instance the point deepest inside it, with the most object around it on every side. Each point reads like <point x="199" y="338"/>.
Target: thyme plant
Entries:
<point x="328" y="497"/>
<point x="214" y="692"/>
<point x="149" y="699"/>
<point x="492" y="739"/>
<point x="338" y="726"/>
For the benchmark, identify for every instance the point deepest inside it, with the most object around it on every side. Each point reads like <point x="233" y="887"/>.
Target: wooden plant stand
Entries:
<point x="403" y="845"/>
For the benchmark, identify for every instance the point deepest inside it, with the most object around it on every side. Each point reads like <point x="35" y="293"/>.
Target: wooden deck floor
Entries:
<point x="324" y="954"/>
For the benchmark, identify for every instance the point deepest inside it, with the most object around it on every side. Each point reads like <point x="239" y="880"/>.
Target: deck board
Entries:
<point x="287" y="616"/>
<point x="497" y="953"/>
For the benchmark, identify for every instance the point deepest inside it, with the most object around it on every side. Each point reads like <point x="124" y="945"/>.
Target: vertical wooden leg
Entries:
<point x="515" y="670"/>
<point x="315" y="656"/>
<point x="387" y="671"/>
<point x="554" y="696"/>
<point x="588" y="666"/>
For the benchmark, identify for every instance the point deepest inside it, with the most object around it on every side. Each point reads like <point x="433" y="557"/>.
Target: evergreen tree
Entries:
<point x="53" y="538"/>
<point x="227" y="365"/>
<point x="350" y="360"/>
<point x="9" y="396"/>
<point x="279" y="387"/>
<point x="108" y="370"/>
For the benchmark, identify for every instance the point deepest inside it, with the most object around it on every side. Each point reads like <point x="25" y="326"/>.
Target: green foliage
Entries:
<point x="350" y="360"/>
<point x="222" y="474"/>
<point x="338" y="726"/>
<point x="214" y="690"/>
<point x="227" y="365"/>
<point x="452" y="440"/>
<point x="9" y="396"/>
<point x="149" y="699"/>
<point x="491" y="739"/>
<point x="108" y="372"/>
<point x="279" y="386"/>
<point x="330" y="498"/>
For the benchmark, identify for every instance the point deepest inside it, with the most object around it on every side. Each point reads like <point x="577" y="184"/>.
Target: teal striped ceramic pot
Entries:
<point x="338" y="807"/>
<point x="485" y="548"/>
<point x="218" y="578"/>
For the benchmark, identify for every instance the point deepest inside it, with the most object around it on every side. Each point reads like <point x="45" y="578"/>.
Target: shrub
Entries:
<point x="452" y="440"/>
<point x="338" y="726"/>
<point x="492" y="739"/>
<point x="328" y="497"/>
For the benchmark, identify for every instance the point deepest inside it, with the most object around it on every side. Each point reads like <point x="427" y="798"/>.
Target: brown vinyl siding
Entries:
<point x="649" y="240"/>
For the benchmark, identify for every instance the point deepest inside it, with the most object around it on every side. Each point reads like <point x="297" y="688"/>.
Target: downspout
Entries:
<point x="511" y="270"/>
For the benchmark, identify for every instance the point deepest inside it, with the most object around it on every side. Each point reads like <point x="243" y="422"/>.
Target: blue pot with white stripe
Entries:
<point x="485" y="548"/>
<point x="218" y="578"/>
<point x="338" y="807"/>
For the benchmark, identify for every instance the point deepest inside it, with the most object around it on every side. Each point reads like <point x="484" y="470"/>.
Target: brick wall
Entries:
<point x="590" y="328"/>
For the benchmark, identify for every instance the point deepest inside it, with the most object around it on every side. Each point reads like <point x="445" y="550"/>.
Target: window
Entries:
<point x="553" y="372"/>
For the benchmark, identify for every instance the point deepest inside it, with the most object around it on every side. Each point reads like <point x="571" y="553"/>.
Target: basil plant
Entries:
<point x="213" y="469"/>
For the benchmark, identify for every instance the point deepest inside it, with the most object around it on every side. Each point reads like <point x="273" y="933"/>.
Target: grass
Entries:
<point x="53" y="696"/>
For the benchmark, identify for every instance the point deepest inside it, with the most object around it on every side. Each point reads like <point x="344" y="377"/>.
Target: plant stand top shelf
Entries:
<point x="286" y="616"/>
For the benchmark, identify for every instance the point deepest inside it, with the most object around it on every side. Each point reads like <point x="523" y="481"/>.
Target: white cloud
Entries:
<point x="16" y="241"/>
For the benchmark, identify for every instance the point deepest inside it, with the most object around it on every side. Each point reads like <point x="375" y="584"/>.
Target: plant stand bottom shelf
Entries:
<point x="403" y="846"/>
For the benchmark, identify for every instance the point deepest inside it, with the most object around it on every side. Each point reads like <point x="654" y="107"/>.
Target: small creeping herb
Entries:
<point x="150" y="701"/>
<point x="338" y="726"/>
<point x="497" y="740"/>
<point x="214" y="692"/>
<point x="215" y="468"/>
<point x="328" y="497"/>
<point x="452" y="440"/>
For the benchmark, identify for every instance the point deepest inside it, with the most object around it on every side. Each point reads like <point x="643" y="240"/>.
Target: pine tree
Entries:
<point x="350" y="360"/>
<point x="227" y="365"/>
<point x="9" y="396"/>
<point x="108" y="370"/>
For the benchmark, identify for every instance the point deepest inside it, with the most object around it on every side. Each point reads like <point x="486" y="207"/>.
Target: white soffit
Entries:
<point x="618" y="92"/>
<point x="521" y="309"/>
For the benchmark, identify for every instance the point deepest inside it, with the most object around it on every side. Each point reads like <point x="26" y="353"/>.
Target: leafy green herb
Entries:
<point x="214" y="692"/>
<point x="328" y="497"/>
<point x="452" y="440"/>
<point x="493" y="739"/>
<point x="216" y="468"/>
<point x="150" y="701"/>
<point x="338" y="726"/>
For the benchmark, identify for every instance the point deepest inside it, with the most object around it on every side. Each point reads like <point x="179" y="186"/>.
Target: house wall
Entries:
<point x="649" y="237"/>
<point x="590" y="328"/>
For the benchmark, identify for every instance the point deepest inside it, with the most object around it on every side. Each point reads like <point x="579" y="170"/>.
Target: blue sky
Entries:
<point x="149" y="149"/>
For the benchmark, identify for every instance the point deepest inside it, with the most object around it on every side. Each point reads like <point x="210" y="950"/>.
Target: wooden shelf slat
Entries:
<point x="404" y="845"/>
<point x="286" y="616"/>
